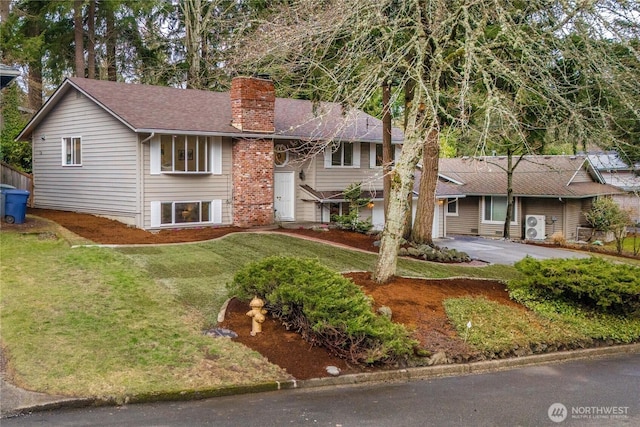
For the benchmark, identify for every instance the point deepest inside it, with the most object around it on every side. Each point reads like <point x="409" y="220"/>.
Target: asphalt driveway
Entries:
<point x="502" y="251"/>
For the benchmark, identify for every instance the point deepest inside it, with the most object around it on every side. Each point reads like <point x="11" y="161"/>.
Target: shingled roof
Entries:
<point x="146" y="108"/>
<point x="535" y="176"/>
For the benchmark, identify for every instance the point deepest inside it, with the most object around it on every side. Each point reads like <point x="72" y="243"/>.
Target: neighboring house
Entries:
<point x="619" y="174"/>
<point x="551" y="194"/>
<point x="159" y="157"/>
<point x="7" y="75"/>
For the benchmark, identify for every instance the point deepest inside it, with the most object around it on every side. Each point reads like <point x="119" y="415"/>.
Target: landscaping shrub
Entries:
<point x="326" y="308"/>
<point x="593" y="283"/>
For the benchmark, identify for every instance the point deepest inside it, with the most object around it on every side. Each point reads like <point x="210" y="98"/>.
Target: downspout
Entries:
<point x="148" y="138"/>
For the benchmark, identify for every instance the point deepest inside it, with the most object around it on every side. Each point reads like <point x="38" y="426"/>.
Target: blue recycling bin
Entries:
<point x="15" y="206"/>
<point x="3" y="188"/>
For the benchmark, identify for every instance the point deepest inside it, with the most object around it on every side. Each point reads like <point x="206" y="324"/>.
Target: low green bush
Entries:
<point x="326" y="308"/>
<point x="593" y="283"/>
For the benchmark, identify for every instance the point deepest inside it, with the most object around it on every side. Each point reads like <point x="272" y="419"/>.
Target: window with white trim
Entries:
<point x="185" y="212"/>
<point x="452" y="207"/>
<point x="495" y="209"/>
<point x="184" y="153"/>
<point x="342" y="154"/>
<point x="72" y="151"/>
<point x="375" y="154"/>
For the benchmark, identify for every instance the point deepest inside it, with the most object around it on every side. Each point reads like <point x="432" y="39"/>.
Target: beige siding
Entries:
<point x="467" y="220"/>
<point x="629" y="202"/>
<point x="338" y="178"/>
<point x="188" y="187"/>
<point x="574" y="217"/>
<point x="582" y="176"/>
<point x="106" y="183"/>
<point x="553" y="211"/>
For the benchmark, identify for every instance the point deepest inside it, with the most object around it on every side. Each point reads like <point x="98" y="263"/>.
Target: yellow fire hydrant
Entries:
<point x="257" y="314"/>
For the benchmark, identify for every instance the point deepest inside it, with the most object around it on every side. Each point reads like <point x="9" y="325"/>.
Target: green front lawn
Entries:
<point x="112" y="323"/>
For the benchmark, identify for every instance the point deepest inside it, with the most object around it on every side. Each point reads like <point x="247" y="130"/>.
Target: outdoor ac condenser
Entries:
<point x="534" y="228"/>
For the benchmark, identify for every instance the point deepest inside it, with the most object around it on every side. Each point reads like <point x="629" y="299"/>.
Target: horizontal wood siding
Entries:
<point x="188" y="187"/>
<point x="466" y="223"/>
<point x="106" y="182"/>
<point x="629" y="202"/>
<point x="582" y="176"/>
<point x="550" y="208"/>
<point x="574" y="218"/>
<point x="338" y="178"/>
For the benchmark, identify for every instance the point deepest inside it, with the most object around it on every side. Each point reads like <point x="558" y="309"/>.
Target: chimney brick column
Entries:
<point x="252" y="182"/>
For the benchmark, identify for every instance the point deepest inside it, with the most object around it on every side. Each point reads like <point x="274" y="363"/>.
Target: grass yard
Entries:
<point x="111" y="323"/>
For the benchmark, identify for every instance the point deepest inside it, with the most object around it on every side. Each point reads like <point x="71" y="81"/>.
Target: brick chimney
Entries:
<point x="253" y="104"/>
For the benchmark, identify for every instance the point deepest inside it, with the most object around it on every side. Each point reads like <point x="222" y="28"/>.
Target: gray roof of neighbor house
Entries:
<point x="616" y="171"/>
<point x="145" y="109"/>
<point x="7" y="75"/>
<point x="535" y="176"/>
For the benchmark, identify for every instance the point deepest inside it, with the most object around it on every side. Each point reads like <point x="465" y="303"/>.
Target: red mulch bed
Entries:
<point x="417" y="303"/>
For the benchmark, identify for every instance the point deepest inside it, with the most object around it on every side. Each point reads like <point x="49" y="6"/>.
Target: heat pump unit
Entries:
<point x="534" y="228"/>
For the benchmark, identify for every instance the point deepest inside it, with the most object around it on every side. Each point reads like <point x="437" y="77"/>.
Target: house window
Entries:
<point x="184" y="153"/>
<point x="72" y="151"/>
<point x="184" y="212"/>
<point x="452" y="207"/>
<point x="343" y="156"/>
<point x="495" y="209"/>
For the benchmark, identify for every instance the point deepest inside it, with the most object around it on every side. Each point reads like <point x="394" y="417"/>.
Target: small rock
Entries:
<point x="333" y="370"/>
<point x="385" y="311"/>
<point x="221" y="333"/>
<point x="440" y="358"/>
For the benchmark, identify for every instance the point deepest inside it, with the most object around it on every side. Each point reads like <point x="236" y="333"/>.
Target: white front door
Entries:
<point x="284" y="196"/>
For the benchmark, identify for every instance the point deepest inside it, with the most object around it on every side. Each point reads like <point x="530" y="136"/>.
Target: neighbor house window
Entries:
<point x="185" y="212"/>
<point x="343" y="154"/>
<point x="184" y="153"/>
<point x="72" y="151"/>
<point x="375" y="157"/>
<point x="495" y="209"/>
<point x="452" y="207"/>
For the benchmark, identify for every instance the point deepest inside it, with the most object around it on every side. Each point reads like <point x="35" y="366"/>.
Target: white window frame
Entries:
<point x="72" y="154"/>
<point x="373" y="158"/>
<point x="331" y="149"/>
<point x="212" y="152"/>
<point x="450" y="202"/>
<point x="514" y="218"/>
<point x="215" y="213"/>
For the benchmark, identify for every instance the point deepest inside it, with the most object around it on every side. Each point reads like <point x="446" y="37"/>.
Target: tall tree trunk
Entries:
<point x="111" y="44"/>
<point x="506" y="229"/>
<point x="409" y="101"/>
<point x="422" y="231"/>
<point x="402" y="179"/>
<point x="387" y="149"/>
<point x="78" y="37"/>
<point x="91" y="40"/>
<point x="35" y="70"/>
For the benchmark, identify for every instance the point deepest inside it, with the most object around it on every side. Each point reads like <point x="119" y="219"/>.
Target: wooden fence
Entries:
<point x="23" y="181"/>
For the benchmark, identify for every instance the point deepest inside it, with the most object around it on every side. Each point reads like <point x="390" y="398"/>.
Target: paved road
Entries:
<point x="502" y="251"/>
<point x="596" y="392"/>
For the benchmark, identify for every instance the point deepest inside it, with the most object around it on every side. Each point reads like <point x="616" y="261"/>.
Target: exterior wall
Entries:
<point x="554" y="212"/>
<point x="582" y="176"/>
<point x="338" y="178"/>
<point x="187" y="187"/>
<point x="467" y="220"/>
<point x="574" y="216"/>
<point x="252" y="179"/>
<point x="106" y="183"/>
<point x="631" y="203"/>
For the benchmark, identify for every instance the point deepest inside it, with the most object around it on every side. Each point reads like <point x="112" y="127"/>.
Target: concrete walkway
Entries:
<point x="507" y="252"/>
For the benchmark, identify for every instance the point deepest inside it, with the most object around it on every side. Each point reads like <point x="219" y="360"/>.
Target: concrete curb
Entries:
<point x="26" y="404"/>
